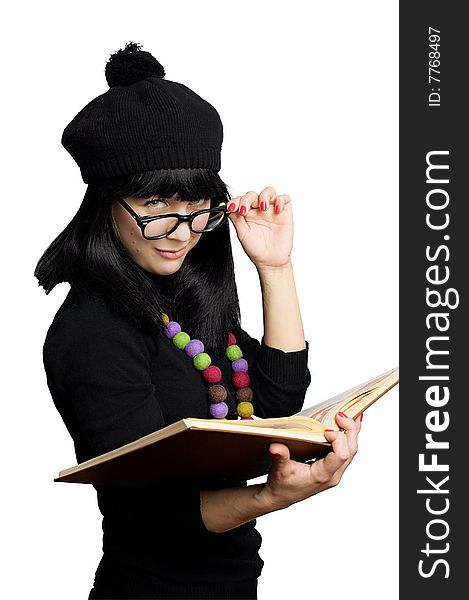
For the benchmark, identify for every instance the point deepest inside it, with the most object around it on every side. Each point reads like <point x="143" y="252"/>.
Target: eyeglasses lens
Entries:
<point x="201" y="223"/>
<point x="160" y="226"/>
<point x="207" y="221"/>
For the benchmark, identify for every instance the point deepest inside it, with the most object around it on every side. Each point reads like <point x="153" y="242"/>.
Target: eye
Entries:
<point x="200" y="201"/>
<point x="153" y="202"/>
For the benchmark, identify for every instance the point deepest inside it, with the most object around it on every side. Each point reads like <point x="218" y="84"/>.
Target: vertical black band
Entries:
<point x="433" y="264"/>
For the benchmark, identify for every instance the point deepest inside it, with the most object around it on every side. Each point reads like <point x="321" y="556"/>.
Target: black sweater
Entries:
<point x="113" y="383"/>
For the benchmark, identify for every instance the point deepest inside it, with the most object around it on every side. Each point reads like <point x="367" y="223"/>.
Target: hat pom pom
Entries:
<point x="131" y="64"/>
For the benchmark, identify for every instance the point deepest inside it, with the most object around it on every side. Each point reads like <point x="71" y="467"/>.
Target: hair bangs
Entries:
<point x="184" y="184"/>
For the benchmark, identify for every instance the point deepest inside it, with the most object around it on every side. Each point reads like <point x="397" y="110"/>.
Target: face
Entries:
<point x="150" y="254"/>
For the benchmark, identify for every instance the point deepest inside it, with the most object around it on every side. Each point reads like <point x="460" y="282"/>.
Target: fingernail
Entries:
<point x="361" y="417"/>
<point x="342" y="414"/>
<point x="277" y="209"/>
<point x="242" y="210"/>
<point x="263" y="205"/>
<point x="328" y="430"/>
<point x="232" y="206"/>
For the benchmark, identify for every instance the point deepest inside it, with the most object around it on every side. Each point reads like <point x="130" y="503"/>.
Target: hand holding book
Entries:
<point x="289" y="481"/>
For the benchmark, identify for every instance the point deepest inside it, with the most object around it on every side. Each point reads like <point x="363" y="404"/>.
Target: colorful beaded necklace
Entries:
<point x="212" y="374"/>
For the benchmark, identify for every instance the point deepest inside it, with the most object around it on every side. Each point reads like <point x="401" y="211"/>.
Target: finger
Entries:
<point x="345" y="422"/>
<point x="234" y="216"/>
<point x="340" y="452"/>
<point x="350" y="428"/>
<point x="280" y="203"/>
<point x="248" y="201"/>
<point x="267" y="198"/>
<point x="239" y="223"/>
<point x="280" y="452"/>
<point x="353" y="450"/>
<point x="233" y="204"/>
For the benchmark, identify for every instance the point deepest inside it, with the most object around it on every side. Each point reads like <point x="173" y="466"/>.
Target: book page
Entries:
<point x="326" y="411"/>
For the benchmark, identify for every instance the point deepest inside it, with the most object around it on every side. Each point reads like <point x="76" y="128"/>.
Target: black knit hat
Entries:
<point x="142" y="123"/>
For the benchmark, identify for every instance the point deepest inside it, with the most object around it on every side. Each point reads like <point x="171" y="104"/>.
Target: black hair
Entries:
<point x="201" y="295"/>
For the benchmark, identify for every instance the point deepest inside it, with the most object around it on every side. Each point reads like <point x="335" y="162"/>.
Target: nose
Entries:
<point x="182" y="233"/>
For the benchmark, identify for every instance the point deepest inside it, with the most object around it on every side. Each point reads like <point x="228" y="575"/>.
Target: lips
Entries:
<point x="171" y="253"/>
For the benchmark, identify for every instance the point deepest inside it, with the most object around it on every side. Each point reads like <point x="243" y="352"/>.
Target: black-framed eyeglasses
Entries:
<point x="160" y="226"/>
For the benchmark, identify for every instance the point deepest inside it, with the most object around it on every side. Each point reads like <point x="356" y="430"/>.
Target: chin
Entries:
<point x="166" y="269"/>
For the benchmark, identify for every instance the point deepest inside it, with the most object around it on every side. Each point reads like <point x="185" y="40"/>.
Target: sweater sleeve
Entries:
<point x="97" y="368"/>
<point x="279" y="379"/>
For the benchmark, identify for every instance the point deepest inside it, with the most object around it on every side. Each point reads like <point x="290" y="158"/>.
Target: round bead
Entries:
<point x="219" y="410"/>
<point x="181" y="339"/>
<point x="244" y="394"/>
<point x="245" y="409"/>
<point x="240" y="379"/>
<point x="171" y="329"/>
<point x="239" y="365"/>
<point x="217" y="393"/>
<point x="201" y="361"/>
<point x="234" y="352"/>
<point x="211" y="374"/>
<point x="194" y="347"/>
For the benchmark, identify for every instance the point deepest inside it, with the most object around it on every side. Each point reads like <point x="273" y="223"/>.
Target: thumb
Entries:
<point x="239" y="224"/>
<point x="280" y="451"/>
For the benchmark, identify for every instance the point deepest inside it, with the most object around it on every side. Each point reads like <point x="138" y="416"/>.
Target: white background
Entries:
<point x="307" y="92"/>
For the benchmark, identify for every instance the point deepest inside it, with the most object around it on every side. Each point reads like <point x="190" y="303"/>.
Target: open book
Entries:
<point x="202" y="450"/>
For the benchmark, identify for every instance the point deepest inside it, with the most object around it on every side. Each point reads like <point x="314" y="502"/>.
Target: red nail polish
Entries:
<point x="328" y="430"/>
<point x="342" y="414"/>
<point x="277" y="209"/>
<point x="242" y="210"/>
<point x="361" y="417"/>
<point x="232" y="206"/>
<point x="263" y="205"/>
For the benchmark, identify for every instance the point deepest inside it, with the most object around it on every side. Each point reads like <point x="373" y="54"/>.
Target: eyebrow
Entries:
<point x="170" y="200"/>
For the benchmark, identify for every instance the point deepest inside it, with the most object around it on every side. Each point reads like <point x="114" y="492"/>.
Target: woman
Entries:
<point x="148" y="258"/>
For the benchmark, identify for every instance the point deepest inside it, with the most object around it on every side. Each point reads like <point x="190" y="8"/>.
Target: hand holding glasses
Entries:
<point x="160" y="226"/>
